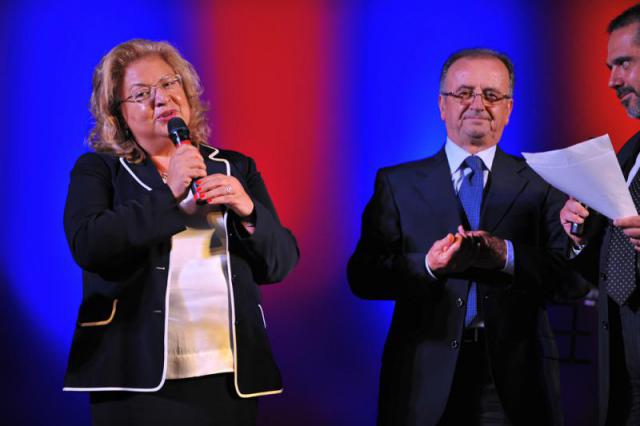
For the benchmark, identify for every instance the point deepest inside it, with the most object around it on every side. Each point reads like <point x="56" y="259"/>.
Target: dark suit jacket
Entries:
<point x="592" y="263"/>
<point x="415" y="204"/>
<point x="119" y="220"/>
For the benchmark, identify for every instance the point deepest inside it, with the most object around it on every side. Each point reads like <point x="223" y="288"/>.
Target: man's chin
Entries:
<point x="477" y="134"/>
<point x="633" y="111"/>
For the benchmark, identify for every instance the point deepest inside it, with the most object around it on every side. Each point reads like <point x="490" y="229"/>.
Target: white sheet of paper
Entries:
<point x="589" y="172"/>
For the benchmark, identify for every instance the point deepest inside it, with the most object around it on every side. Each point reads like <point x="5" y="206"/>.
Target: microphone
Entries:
<point x="577" y="229"/>
<point x="179" y="135"/>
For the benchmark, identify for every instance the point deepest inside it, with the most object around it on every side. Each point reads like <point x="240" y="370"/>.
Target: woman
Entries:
<point x="170" y="330"/>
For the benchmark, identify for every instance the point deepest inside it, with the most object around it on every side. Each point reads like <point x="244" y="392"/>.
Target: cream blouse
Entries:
<point x="199" y="313"/>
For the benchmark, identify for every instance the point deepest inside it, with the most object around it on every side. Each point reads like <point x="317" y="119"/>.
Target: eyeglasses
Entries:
<point x="488" y="97"/>
<point x="141" y="93"/>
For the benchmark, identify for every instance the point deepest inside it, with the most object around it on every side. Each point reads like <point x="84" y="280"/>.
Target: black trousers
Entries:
<point x="473" y="400"/>
<point x="630" y="324"/>
<point x="199" y="401"/>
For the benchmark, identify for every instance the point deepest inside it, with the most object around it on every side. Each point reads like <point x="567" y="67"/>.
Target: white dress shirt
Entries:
<point x="634" y="170"/>
<point x="456" y="156"/>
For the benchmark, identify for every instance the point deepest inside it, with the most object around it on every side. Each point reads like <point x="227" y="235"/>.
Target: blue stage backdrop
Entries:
<point x="321" y="94"/>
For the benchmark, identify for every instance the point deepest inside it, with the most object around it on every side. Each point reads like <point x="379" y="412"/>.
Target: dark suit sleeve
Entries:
<point x="588" y="261"/>
<point x="544" y="268"/>
<point x="379" y="267"/>
<point x="102" y="235"/>
<point x="272" y="250"/>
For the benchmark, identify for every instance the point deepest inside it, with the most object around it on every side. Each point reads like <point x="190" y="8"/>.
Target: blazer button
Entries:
<point x="603" y="276"/>
<point x="605" y="325"/>
<point x="459" y="302"/>
<point x="454" y="344"/>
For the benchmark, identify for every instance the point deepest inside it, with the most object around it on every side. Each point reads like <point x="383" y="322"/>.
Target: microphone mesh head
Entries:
<point x="175" y="124"/>
<point x="178" y="131"/>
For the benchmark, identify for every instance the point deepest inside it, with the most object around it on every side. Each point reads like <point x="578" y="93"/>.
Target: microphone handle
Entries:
<point x="577" y="229"/>
<point x="194" y="185"/>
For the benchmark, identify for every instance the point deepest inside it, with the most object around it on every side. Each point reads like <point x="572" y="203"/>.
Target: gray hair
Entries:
<point x="478" y="52"/>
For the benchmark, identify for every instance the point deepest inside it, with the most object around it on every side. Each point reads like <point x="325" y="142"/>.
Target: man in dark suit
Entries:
<point x="468" y="246"/>
<point x="607" y="255"/>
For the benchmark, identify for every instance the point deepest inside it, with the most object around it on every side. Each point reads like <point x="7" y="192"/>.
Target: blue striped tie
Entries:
<point x="470" y="196"/>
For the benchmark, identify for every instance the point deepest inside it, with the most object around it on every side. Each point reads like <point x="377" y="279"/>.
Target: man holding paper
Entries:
<point x="609" y="256"/>
<point x="468" y="246"/>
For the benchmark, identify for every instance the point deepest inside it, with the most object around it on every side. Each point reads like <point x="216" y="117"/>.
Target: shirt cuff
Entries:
<point x="509" y="266"/>
<point x="426" y="265"/>
<point x="576" y="249"/>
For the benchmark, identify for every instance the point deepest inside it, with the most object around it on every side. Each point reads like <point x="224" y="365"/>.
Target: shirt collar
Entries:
<point x="456" y="155"/>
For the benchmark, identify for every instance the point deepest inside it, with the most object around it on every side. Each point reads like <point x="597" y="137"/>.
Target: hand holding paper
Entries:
<point x="631" y="228"/>
<point x="589" y="172"/>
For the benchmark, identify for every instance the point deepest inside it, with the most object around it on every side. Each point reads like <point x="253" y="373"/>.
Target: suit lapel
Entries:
<point x="434" y="184"/>
<point x="504" y="185"/>
<point x="214" y="164"/>
<point x="628" y="154"/>
<point x="147" y="173"/>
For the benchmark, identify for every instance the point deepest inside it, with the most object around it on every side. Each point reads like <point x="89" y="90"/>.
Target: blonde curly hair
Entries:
<point x="110" y="133"/>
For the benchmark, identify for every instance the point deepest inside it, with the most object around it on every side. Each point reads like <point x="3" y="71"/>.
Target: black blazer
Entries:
<point x="119" y="219"/>
<point x="614" y="391"/>
<point x="414" y="204"/>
